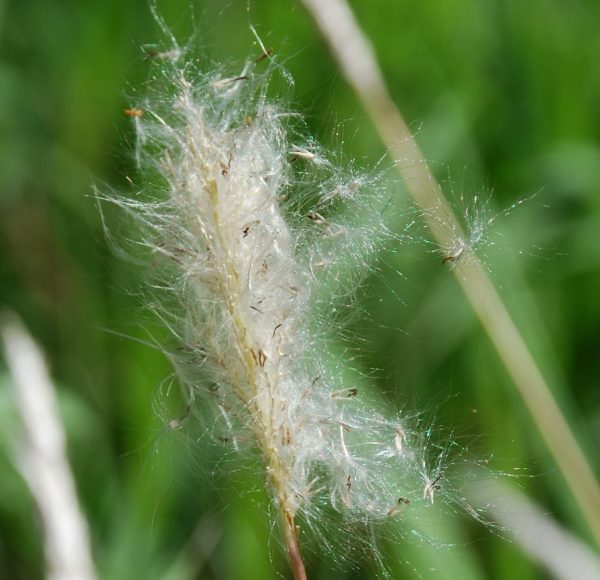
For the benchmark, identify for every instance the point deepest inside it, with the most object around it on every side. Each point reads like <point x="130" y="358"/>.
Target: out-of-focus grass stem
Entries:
<point x="40" y="456"/>
<point x="355" y="57"/>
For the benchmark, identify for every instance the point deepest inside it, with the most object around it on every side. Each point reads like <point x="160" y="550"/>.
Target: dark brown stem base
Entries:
<point x="293" y="549"/>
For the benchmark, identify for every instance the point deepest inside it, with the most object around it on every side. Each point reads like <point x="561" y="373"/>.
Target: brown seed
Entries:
<point x="401" y="504"/>
<point x="348" y="393"/>
<point x="262" y="358"/>
<point x="133" y="112"/>
<point x="264" y="55"/>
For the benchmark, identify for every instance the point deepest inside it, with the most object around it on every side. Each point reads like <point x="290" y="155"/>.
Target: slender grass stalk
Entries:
<point x="536" y="532"/>
<point x="355" y="57"/>
<point x="40" y="456"/>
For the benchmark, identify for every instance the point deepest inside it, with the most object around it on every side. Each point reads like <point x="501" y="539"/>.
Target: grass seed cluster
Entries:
<point x="262" y="238"/>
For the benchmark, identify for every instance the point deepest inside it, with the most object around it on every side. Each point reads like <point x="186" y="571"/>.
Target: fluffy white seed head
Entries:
<point x="254" y="225"/>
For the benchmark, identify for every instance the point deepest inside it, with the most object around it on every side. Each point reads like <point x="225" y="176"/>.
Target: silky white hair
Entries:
<point x="263" y="239"/>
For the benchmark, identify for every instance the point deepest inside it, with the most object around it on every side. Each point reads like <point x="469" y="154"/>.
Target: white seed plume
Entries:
<point x="252" y="242"/>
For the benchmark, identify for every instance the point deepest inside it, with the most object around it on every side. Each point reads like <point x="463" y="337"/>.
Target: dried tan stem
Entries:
<point x="355" y="56"/>
<point x="293" y="548"/>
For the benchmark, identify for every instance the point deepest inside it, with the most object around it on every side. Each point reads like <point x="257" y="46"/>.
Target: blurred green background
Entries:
<point x="505" y="98"/>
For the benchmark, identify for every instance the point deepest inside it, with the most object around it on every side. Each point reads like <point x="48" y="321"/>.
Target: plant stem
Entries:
<point x="357" y="61"/>
<point x="293" y="548"/>
<point x="40" y="455"/>
<point x="256" y="380"/>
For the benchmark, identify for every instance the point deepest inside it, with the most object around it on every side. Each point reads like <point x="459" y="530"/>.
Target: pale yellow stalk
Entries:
<point x="355" y="56"/>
